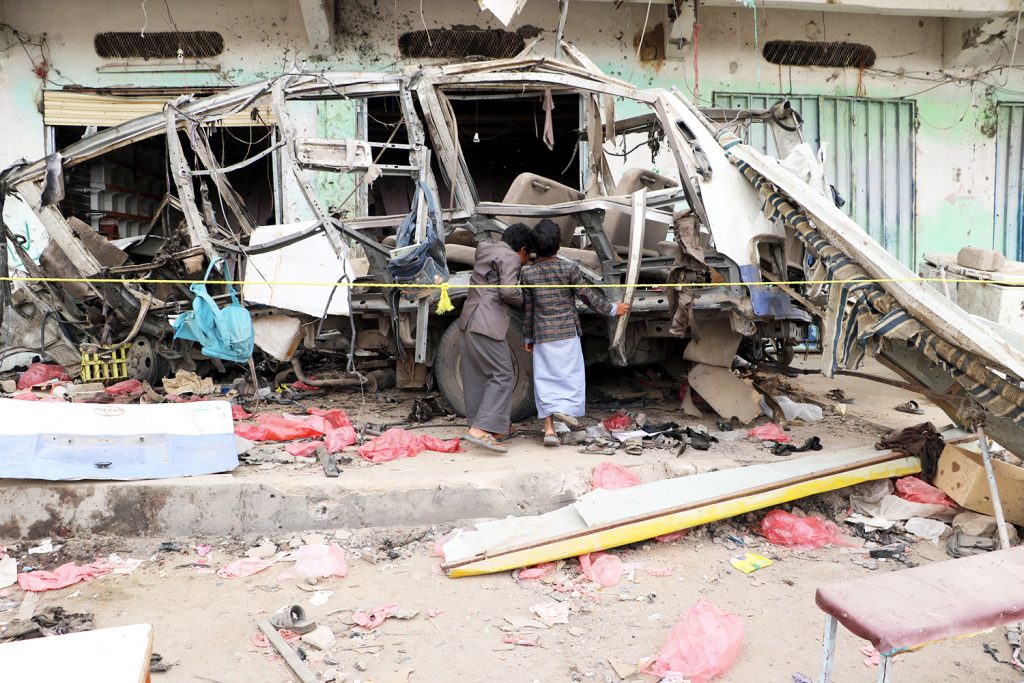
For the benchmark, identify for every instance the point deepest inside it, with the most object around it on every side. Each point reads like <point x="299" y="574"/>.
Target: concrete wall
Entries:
<point x="955" y="158"/>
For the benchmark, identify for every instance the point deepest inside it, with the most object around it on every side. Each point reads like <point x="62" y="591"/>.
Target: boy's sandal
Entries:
<point x="486" y="441"/>
<point x="551" y="441"/>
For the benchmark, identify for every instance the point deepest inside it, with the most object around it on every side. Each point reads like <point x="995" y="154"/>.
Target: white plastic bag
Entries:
<point x="808" y="412"/>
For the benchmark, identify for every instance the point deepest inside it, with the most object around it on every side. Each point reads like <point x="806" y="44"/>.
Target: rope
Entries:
<point x="446" y="285"/>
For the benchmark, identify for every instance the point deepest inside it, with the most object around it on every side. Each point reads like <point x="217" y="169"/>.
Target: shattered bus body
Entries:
<point x="713" y="235"/>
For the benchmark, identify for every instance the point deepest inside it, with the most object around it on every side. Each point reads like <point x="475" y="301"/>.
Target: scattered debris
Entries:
<point x="749" y="563"/>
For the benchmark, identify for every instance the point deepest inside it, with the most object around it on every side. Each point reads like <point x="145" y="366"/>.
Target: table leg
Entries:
<point x="884" y="668"/>
<point x="828" y="649"/>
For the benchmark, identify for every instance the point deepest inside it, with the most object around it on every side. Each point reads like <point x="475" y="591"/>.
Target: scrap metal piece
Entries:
<point x="636" y="238"/>
<point x="198" y="232"/>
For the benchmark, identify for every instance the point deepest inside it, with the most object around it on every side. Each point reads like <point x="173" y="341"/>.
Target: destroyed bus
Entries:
<point x="343" y="244"/>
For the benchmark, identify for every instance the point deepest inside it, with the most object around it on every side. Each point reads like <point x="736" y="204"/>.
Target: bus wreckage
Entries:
<point x="709" y="239"/>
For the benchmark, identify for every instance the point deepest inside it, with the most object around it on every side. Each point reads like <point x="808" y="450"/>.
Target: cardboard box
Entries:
<point x="961" y="475"/>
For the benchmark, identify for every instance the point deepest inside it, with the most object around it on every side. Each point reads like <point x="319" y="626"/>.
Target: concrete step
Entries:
<point x="429" y="489"/>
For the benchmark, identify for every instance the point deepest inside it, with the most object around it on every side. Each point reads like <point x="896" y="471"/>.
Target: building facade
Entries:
<point x="917" y="107"/>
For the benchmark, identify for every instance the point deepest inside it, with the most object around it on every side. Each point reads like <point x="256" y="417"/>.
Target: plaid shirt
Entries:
<point x="551" y="313"/>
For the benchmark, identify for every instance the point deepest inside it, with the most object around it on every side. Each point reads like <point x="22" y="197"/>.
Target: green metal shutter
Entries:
<point x="869" y="157"/>
<point x="1009" y="167"/>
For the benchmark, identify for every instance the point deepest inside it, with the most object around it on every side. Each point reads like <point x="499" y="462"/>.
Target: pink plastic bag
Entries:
<point x="247" y="566"/>
<point x="63" y="576"/>
<point x="617" y="422"/>
<point x="703" y="644"/>
<point x="768" y="432"/>
<point x="40" y="373"/>
<point x="339" y="439"/>
<point x="376" y="616"/>
<point x="128" y="386"/>
<point x="608" y="475"/>
<point x="784" y="528"/>
<point x="335" y="417"/>
<point x="238" y="412"/>
<point x="316" y="561"/>
<point x="601" y="568"/>
<point x="919" y="491"/>
<point x="303" y="449"/>
<point x="398" y="443"/>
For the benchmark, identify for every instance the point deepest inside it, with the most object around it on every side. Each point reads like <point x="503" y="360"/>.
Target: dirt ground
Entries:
<point x="205" y="624"/>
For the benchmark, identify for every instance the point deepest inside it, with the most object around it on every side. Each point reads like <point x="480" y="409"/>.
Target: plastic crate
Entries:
<point x="105" y="365"/>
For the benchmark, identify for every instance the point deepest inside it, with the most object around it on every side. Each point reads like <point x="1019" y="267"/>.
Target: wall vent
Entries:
<point x="158" y="45"/>
<point x="808" y="53"/>
<point x="459" y="43"/>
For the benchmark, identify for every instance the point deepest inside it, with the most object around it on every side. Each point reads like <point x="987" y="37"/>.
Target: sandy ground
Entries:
<point x="205" y="624"/>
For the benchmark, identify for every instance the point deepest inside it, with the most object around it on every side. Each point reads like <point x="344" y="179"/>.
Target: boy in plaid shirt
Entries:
<point x="552" y="330"/>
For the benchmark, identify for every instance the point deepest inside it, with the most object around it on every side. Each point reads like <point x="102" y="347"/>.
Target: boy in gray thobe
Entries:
<point x="486" y="364"/>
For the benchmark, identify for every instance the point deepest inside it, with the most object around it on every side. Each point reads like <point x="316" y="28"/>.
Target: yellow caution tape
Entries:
<point x="397" y="285"/>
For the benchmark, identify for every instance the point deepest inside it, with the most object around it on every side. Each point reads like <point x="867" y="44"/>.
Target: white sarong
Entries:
<point x="559" y="378"/>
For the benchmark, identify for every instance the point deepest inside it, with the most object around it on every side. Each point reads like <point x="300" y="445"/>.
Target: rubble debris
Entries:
<point x="551" y="613"/>
<point x="965" y="545"/>
<point x="138" y="441"/>
<point x="322" y="638"/>
<point x="729" y="395"/>
<point x="716" y="344"/>
<point x="702" y="645"/>
<point x="610" y="518"/>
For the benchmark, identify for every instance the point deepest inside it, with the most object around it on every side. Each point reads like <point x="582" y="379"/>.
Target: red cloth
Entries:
<point x="398" y="443"/>
<point x="304" y="449"/>
<point x="128" y="386"/>
<point x="63" y="576"/>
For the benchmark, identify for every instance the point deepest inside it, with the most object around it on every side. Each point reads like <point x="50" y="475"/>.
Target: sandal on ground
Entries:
<point x="294" y="619"/>
<point x="551" y="441"/>
<point x="486" y="441"/>
<point x="910" y="407"/>
<point x="633" y="446"/>
<point x="964" y="545"/>
<point x="568" y="420"/>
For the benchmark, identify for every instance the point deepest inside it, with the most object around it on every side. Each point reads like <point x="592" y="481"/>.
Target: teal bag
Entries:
<point x="225" y="333"/>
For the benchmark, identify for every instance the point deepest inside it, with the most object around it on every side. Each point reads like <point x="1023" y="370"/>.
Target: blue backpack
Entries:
<point x="225" y="333"/>
<point x="423" y="263"/>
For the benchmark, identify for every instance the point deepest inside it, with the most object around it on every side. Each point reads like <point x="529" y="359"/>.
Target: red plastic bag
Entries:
<point x="40" y="373"/>
<point x="617" y="422"/>
<point x="769" y="432"/>
<point x="538" y="571"/>
<point x="238" y="412"/>
<point x="602" y="568"/>
<point x="919" y="491"/>
<point x="608" y="475"/>
<point x="398" y="443"/>
<point x="703" y="644"/>
<point x="784" y="528"/>
<point x="271" y="427"/>
<point x="335" y="417"/>
<point x="128" y="386"/>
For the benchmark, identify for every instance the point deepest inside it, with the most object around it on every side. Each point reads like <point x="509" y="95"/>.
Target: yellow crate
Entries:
<point x="106" y="365"/>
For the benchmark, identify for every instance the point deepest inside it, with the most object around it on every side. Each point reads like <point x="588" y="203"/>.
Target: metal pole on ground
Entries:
<point x="993" y="489"/>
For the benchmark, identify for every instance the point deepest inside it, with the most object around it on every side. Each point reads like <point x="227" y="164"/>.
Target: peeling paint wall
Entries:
<point x="956" y="147"/>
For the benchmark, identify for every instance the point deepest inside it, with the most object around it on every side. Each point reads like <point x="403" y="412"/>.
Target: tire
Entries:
<point x="449" y="377"/>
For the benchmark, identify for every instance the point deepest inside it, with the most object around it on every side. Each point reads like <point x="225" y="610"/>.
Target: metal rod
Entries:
<point x="993" y="489"/>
